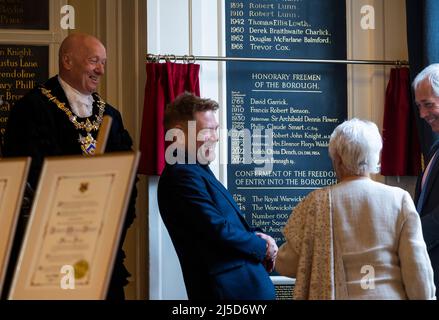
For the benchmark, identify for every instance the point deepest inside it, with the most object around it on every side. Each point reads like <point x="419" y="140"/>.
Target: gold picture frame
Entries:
<point x="74" y="228"/>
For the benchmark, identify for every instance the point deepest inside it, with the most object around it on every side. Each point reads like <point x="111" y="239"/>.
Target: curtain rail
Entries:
<point x="192" y="59"/>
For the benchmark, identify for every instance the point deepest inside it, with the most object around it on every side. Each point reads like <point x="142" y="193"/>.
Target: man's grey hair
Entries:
<point x="432" y="74"/>
<point x="358" y="143"/>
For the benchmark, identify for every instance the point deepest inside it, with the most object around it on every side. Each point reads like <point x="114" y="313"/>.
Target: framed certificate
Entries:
<point x="74" y="229"/>
<point x="13" y="176"/>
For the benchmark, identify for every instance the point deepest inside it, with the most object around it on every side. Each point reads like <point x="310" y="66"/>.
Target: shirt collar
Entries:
<point x="81" y="104"/>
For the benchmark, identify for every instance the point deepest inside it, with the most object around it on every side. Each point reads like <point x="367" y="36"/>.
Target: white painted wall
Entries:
<point x="167" y="27"/>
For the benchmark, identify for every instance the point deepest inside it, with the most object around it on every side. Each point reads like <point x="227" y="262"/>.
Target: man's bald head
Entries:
<point x="82" y="59"/>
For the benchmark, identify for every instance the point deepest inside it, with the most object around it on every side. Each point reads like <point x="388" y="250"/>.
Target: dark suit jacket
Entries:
<point x="38" y="128"/>
<point x="427" y="203"/>
<point x="219" y="254"/>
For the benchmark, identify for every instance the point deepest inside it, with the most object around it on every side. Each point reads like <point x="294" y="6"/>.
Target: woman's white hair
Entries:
<point x="358" y="143"/>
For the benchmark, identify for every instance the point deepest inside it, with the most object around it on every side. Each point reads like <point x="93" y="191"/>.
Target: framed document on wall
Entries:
<point x="13" y="175"/>
<point x="74" y="229"/>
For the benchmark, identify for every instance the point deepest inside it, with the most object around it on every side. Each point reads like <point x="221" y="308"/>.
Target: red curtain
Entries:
<point x="164" y="82"/>
<point x="401" y="154"/>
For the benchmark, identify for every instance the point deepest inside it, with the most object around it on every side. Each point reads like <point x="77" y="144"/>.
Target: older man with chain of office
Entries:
<point x="62" y="117"/>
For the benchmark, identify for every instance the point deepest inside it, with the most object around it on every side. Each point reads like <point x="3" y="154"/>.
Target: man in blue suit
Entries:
<point x="220" y="255"/>
<point x="426" y="88"/>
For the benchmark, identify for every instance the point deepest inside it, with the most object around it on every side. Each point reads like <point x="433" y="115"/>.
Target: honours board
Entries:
<point x="281" y="115"/>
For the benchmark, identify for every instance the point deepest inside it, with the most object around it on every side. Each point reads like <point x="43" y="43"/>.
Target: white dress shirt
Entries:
<point x="81" y="104"/>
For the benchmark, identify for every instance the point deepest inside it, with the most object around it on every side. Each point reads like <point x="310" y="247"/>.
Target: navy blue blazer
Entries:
<point x="219" y="253"/>
<point x="427" y="204"/>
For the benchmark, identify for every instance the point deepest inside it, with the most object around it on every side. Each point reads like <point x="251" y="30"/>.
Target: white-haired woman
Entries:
<point x="357" y="239"/>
